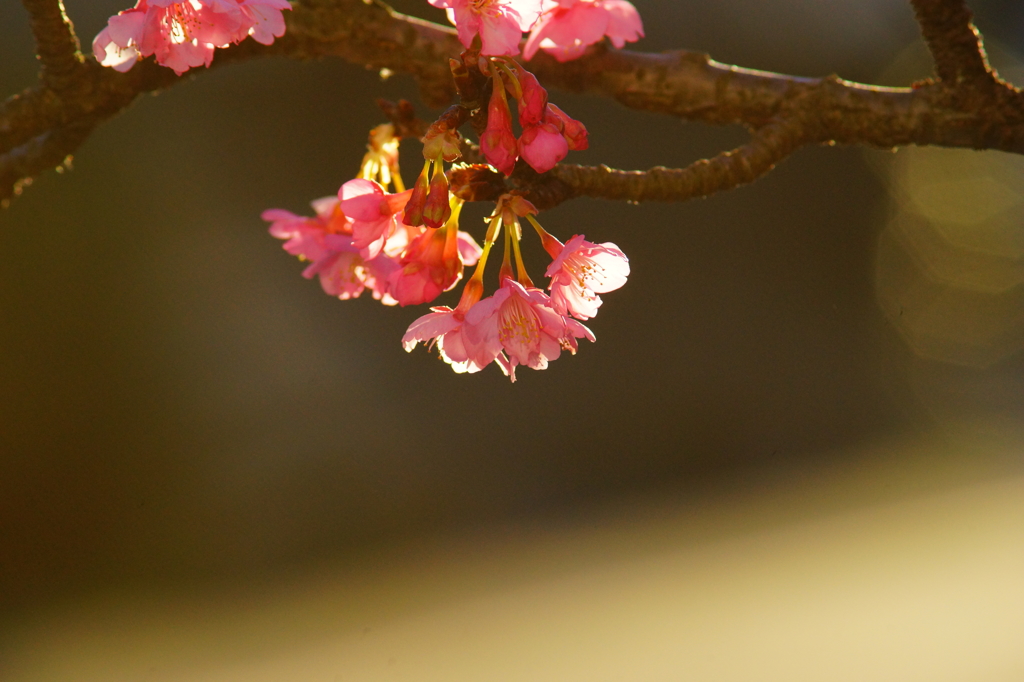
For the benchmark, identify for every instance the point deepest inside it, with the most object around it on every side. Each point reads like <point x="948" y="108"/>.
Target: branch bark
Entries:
<point x="768" y="146"/>
<point x="56" y="43"/>
<point x="953" y="40"/>
<point x="962" y="109"/>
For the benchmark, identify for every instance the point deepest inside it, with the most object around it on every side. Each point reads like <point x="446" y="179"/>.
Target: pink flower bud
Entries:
<point x="441" y="141"/>
<point x="534" y="99"/>
<point x="497" y="142"/>
<point x="437" y="209"/>
<point x="575" y="133"/>
<point x="542" y="146"/>
<point x="417" y="202"/>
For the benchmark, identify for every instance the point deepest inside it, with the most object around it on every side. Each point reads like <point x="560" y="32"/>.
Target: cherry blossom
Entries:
<point x="574" y="132"/>
<point x="542" y="146"/>
<point x="522" y="321"/>
<point x="182" y="35"/>
<point x="326" y="241"/>
<point x="262" y="19"/>
<point x="581" y="271"/>
<point x="306" y="237"/>
<point x="499" y="23"/>
<point x="346" y="274"/>
<point x="373" y="211"/>
<point x="566" y="29"/>
<point x="532" y="99"/>
<point x="446" y="328"/>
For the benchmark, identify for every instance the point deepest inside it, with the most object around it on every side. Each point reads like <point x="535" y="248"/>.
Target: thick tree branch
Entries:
<point x="684" y="84"/>
<point x="56" y="43"/>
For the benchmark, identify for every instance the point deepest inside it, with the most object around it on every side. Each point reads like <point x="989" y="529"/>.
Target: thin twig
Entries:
<point x="18" y="166"/>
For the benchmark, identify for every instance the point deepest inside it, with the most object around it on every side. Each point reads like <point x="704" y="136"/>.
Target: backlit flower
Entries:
<point x="566" y="29"/>
<point x="529" y="331"/>
<point x="499" y="23"/>
<point x="373" y="212"/>
<point x="581" y="271"/>
<point x="184" y="34"/>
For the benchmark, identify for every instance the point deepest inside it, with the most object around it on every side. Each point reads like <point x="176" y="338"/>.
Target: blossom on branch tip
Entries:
<point x="546" y="143"/>
<point x="184" y="34"/>
<point x="542" y="146"/>
<point x="533" y="98"/>
<point x="446" y="328"/>
<point x="574" y="132"/>
<point x="566" y="29"/>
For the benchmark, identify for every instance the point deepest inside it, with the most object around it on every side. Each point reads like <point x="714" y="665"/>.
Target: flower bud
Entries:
<point x="417" y="201"/>
<point x="498" y="143"/>
<point x="437" y="209"/>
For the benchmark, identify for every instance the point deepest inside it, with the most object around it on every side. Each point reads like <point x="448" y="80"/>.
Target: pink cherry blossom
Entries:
<point x="565" y="30"/>
<point x="581" y="271"/>
<point x="546" y="143"/>
<point x="340" y="270"/>
<point x="373" y="211"/>
<point x="525" y="326"/>
<point x="499" y="23"/>
<point x="446" y="328"/>
<point x="183" y="34"/>
<point x="262" y="19"/>
<point x="345" y="274"/>
<point x="305" y="237"/>
<point x="326" y="240"/>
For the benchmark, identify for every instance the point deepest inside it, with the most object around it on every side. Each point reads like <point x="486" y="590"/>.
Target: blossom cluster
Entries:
<point x="182" y="35"/>
<point x="548" y="133"/>
<point x="361" y="240"/>
<point x="520" y="324"/>
<point x="405" y="245"/>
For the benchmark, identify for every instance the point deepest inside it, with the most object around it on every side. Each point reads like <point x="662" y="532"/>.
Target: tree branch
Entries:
<point x="18" y="166"/>
<point x="57" y="45"/>
<point x="685" y="84"/>
<point x="767" y="147"/>
<point x="954" y="42"/>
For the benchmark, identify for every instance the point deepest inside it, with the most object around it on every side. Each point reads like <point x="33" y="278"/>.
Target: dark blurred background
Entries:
<point x="179" y="408"/>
